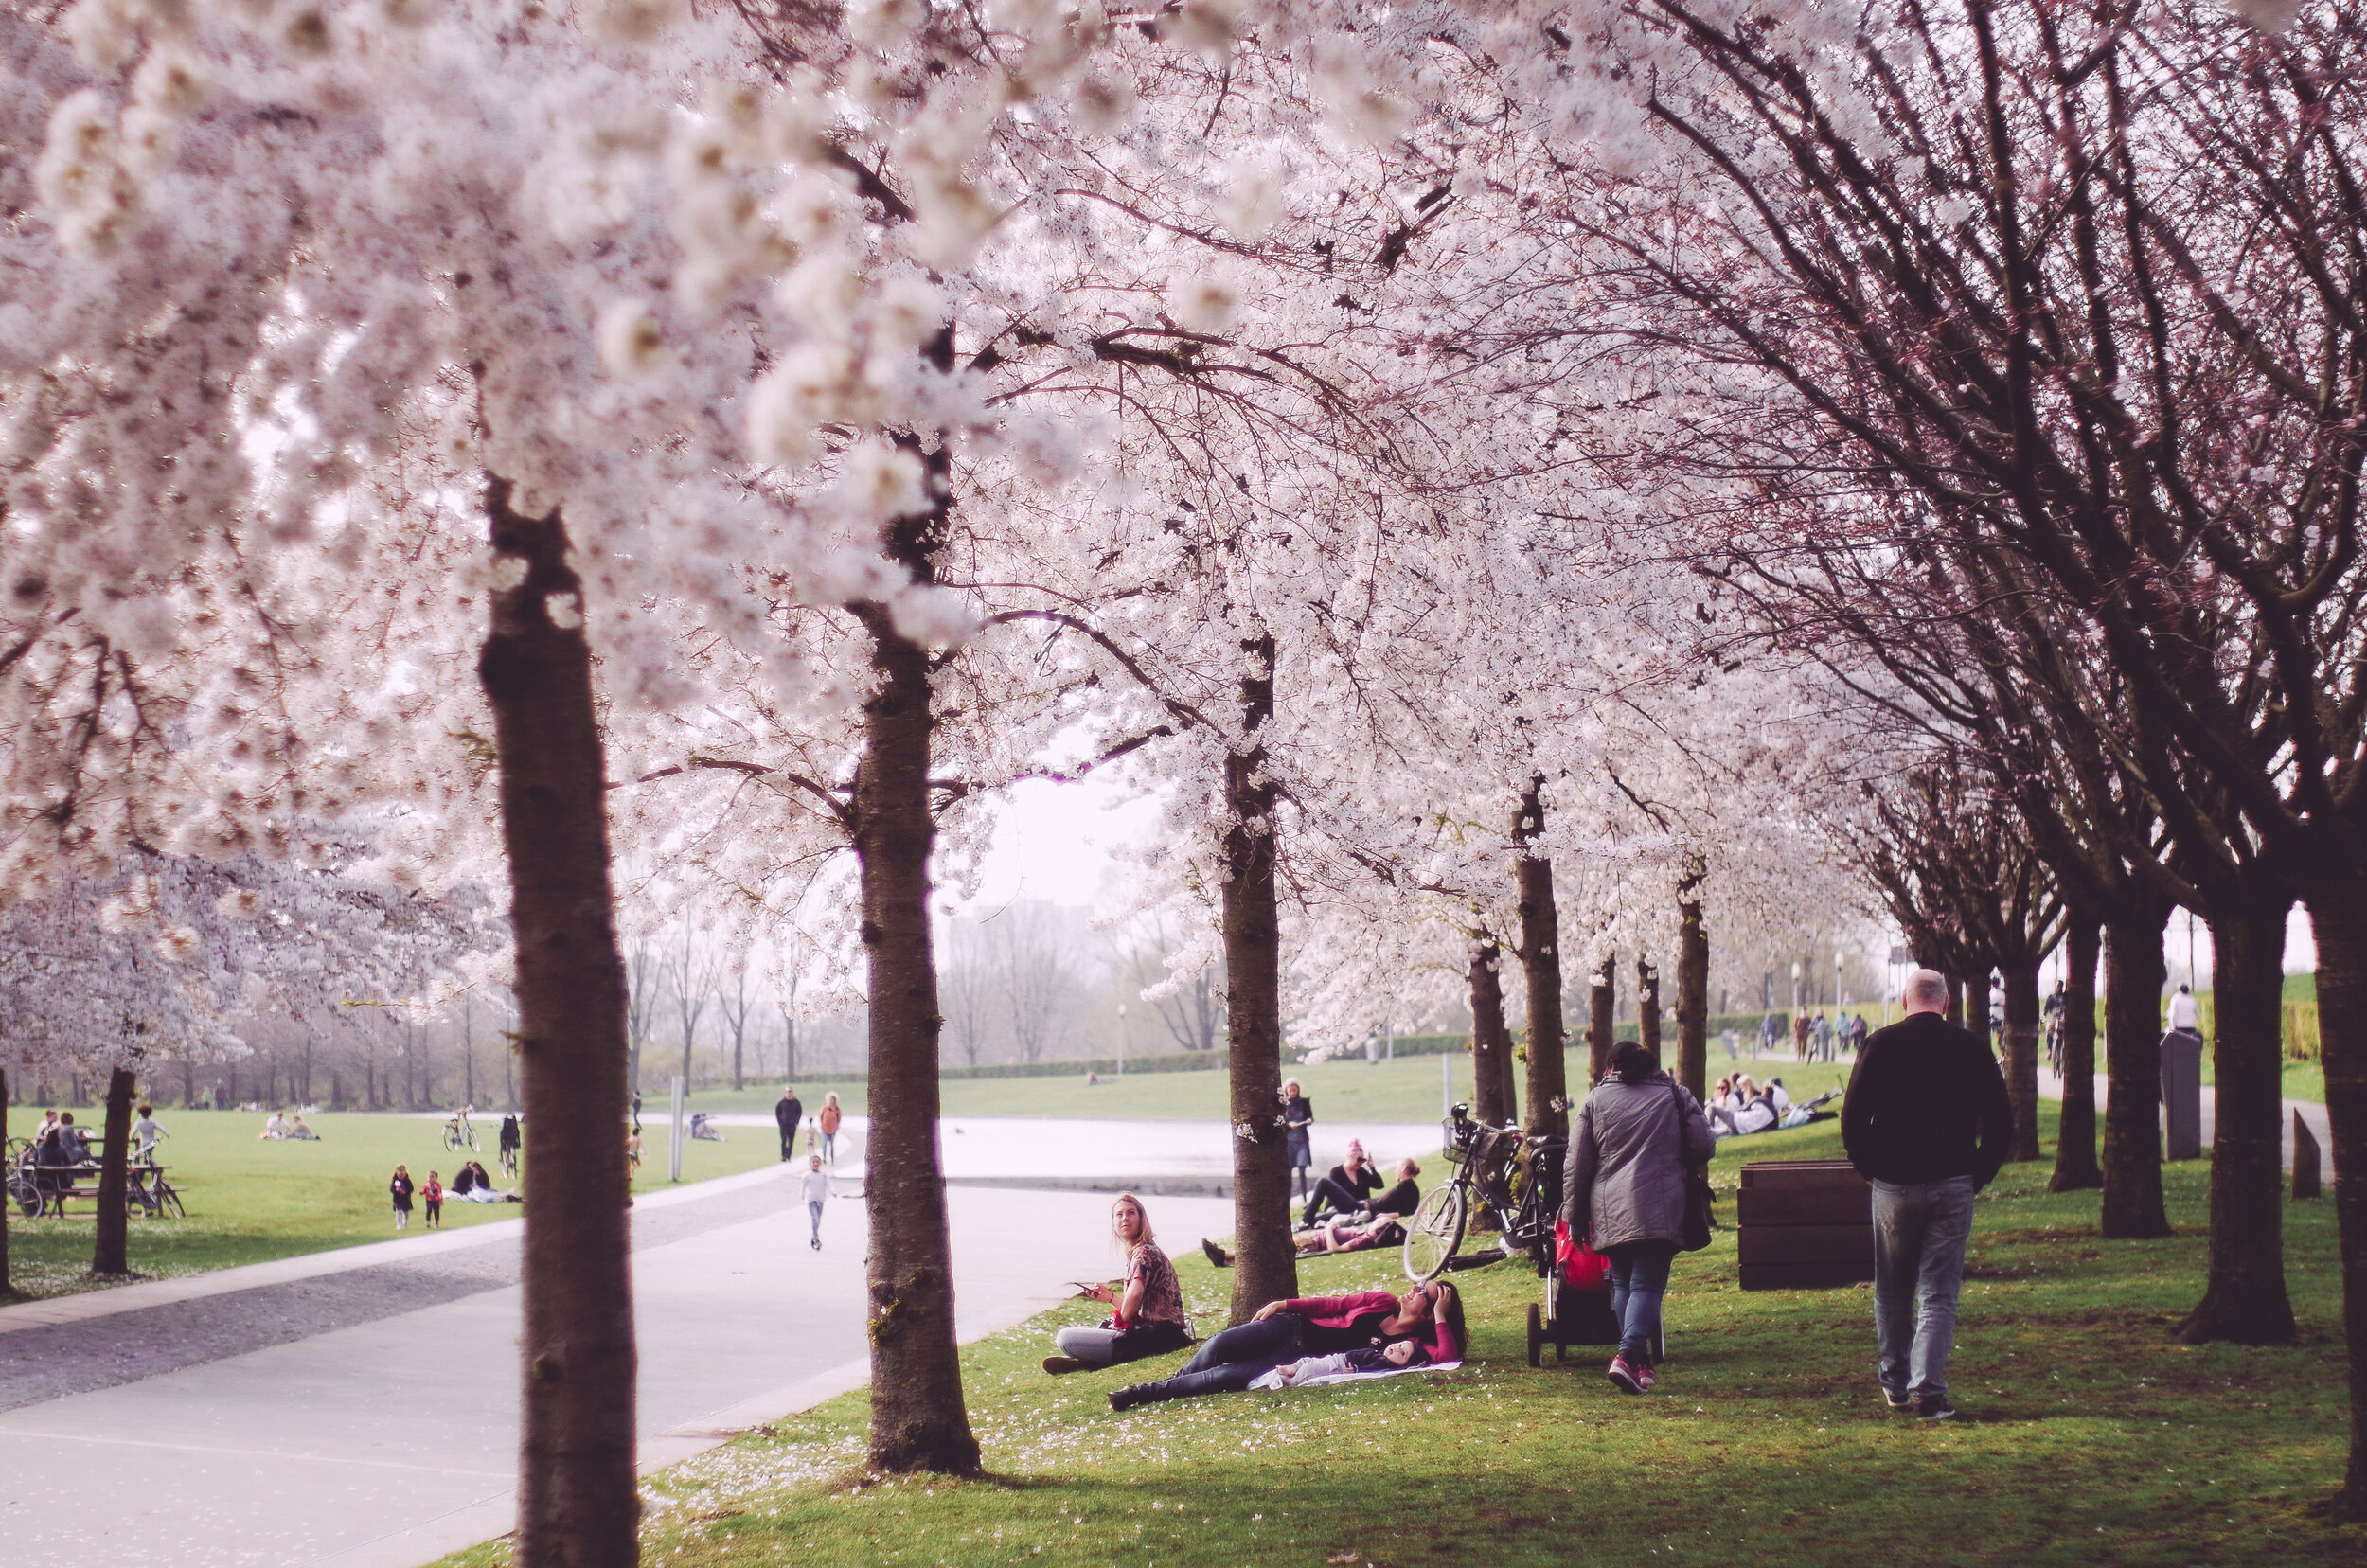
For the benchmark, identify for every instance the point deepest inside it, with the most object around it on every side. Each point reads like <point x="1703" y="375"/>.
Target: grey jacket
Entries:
<point x="1624" y="1177"/>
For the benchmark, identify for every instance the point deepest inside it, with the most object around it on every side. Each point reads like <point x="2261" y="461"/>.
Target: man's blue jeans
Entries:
<point x="1639" y="1280"/>
<point x="1919" y="1234"/>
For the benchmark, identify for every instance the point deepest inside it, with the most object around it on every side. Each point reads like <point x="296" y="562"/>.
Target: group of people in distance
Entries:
<point x="287" y="1125"/>
<point x="470" y="1184"/>
<point x="1927" y="1123"/>
<point x="789" y="1113"/>
<point x="1740" y="1107"/>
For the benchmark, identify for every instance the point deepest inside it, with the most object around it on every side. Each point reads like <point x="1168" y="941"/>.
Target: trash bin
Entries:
<point x="2182" y="1092"/>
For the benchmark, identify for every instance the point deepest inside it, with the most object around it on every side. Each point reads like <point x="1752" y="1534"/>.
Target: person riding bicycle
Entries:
<point x="510" y="1140"/>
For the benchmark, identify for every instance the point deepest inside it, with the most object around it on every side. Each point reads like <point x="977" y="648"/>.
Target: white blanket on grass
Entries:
<point x="1273" y="1378"/>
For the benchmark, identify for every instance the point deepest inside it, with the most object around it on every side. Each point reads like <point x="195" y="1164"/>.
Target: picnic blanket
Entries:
<point x="1273" y="1378"/>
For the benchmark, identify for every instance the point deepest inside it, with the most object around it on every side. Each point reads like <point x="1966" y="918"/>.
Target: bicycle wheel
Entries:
<point x="26" y="1194"/>
<point x="1435" y="1232"/>
<point x="169" y="1200"/>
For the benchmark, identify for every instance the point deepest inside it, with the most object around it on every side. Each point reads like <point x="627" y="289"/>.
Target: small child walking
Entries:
<point x="817" y="1193"/>
<point x="400" y="1187"/>
<point x="433" y="1195"/>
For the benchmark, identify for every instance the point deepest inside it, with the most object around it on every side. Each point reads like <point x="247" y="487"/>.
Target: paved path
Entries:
<point x="359" y="1408"/>
<point x="2312" y="1115"/>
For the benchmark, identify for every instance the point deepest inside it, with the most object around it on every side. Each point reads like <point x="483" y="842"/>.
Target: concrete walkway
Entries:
<point x="359" y="1408"/>
<point x="2313" y="1115"/>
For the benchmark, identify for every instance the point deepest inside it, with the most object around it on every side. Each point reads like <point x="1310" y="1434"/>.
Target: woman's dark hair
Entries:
<point x="1632" y="1062"/>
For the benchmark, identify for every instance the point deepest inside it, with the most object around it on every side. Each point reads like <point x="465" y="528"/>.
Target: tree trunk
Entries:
<point x="8" y="1287"/>
<point x="1265" y="1263"/>
<point x="2075" y="1166"/>
<point x="1491" y="1042"/>
<point x="740" y="1077"/>
<point x="2245" y="1301"/>
<point x="111" y="1251"/>
<point x="1693" y="981"/>
<point x="578" y="1502"/>
<point x="2132" y="1062"/>
<point x="2021" y="1057"/>
<point x="1540" y="964"/>
<point x="1601" y="998"/>
<point x="1976" y="988"/>
<point x="2337" y="916"/>
<point x="918" y="1418"/>
<point x="1647" y="1006"/>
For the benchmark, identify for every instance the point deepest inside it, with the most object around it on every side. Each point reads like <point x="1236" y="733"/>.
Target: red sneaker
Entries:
<point x="1644" y="1379"/>
<point x="1627" y="1376"/>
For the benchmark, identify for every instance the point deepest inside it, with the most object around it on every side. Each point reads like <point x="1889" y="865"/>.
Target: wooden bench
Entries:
<point x="1803" y="1225"/>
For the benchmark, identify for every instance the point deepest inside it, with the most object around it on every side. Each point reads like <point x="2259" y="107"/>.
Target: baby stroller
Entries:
<point x="1577" y="1310"/>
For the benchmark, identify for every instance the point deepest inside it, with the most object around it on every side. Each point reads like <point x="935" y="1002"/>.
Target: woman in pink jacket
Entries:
<point x="1429" y="1314"/>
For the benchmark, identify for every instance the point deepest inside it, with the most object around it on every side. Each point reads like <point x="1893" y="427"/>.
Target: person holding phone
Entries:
<point x="1150" y="1318"/>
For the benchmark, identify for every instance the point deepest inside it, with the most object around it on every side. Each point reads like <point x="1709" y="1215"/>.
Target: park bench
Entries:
<point x="1803" y="1225"/>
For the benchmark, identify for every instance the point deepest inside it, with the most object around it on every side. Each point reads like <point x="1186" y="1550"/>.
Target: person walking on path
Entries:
<point x="817" y="1186"/>
<point x="400" y="1190"/>
<point x="1149" y="1319"/>
<point x="828" y="1125"/>
<point x="1298" y="1116"/>
<point x="1625" y="1191"/>
<point x="1927" y="1122"/>
<point x="1800" y="1036"/>
<point x="790" y="1115"/>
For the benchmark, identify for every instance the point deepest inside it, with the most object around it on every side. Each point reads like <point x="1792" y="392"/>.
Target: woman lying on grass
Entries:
<point x="1428" y="1315"/>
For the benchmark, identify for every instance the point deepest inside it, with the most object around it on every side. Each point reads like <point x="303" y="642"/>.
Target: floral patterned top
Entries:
<point x="1163" y="1297"/>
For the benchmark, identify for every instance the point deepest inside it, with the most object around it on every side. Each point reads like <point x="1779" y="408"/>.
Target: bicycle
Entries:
<point x="1514" y="1178"/>
<point x="460" y="1132"/>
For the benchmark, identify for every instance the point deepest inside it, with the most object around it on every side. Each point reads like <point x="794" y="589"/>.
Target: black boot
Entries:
<point x="1216" y="1254"/>
<point x="1128" y="1397"/>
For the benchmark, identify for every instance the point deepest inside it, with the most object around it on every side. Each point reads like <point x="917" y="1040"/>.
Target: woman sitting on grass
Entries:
<point x="1149" y="1319"/>
<point x="1429" y="1314"/>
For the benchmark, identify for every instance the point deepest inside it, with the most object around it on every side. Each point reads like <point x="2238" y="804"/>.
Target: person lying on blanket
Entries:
<point x="1394" y="1356"/>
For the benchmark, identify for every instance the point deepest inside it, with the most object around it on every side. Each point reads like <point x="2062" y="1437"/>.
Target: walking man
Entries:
<point x="1927" y="1121"/>
<point x="817" y="1185"/>
<point x="791" y="1115"/>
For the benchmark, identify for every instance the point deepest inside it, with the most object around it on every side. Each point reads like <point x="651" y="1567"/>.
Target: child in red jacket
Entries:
<point x="433" y="1195"/>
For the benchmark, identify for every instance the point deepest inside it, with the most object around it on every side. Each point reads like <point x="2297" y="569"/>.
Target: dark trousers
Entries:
<point x="1231" y="1360"/>
<point x="1328" y="1193"/>
<point x="788" y="1142"/>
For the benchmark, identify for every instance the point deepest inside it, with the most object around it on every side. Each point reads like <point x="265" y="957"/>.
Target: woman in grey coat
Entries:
<point x="1624" y="1192"/>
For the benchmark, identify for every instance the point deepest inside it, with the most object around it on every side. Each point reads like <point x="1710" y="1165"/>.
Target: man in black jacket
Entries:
<point x="1927" y="1121"/>
<point x="790" y="1113"/>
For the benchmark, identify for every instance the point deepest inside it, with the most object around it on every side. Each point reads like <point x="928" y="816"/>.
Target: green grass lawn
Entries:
<point x="249" y="1200"/>
<point x="1407" y="1090"/>
<point x="2089" y="1436"/>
